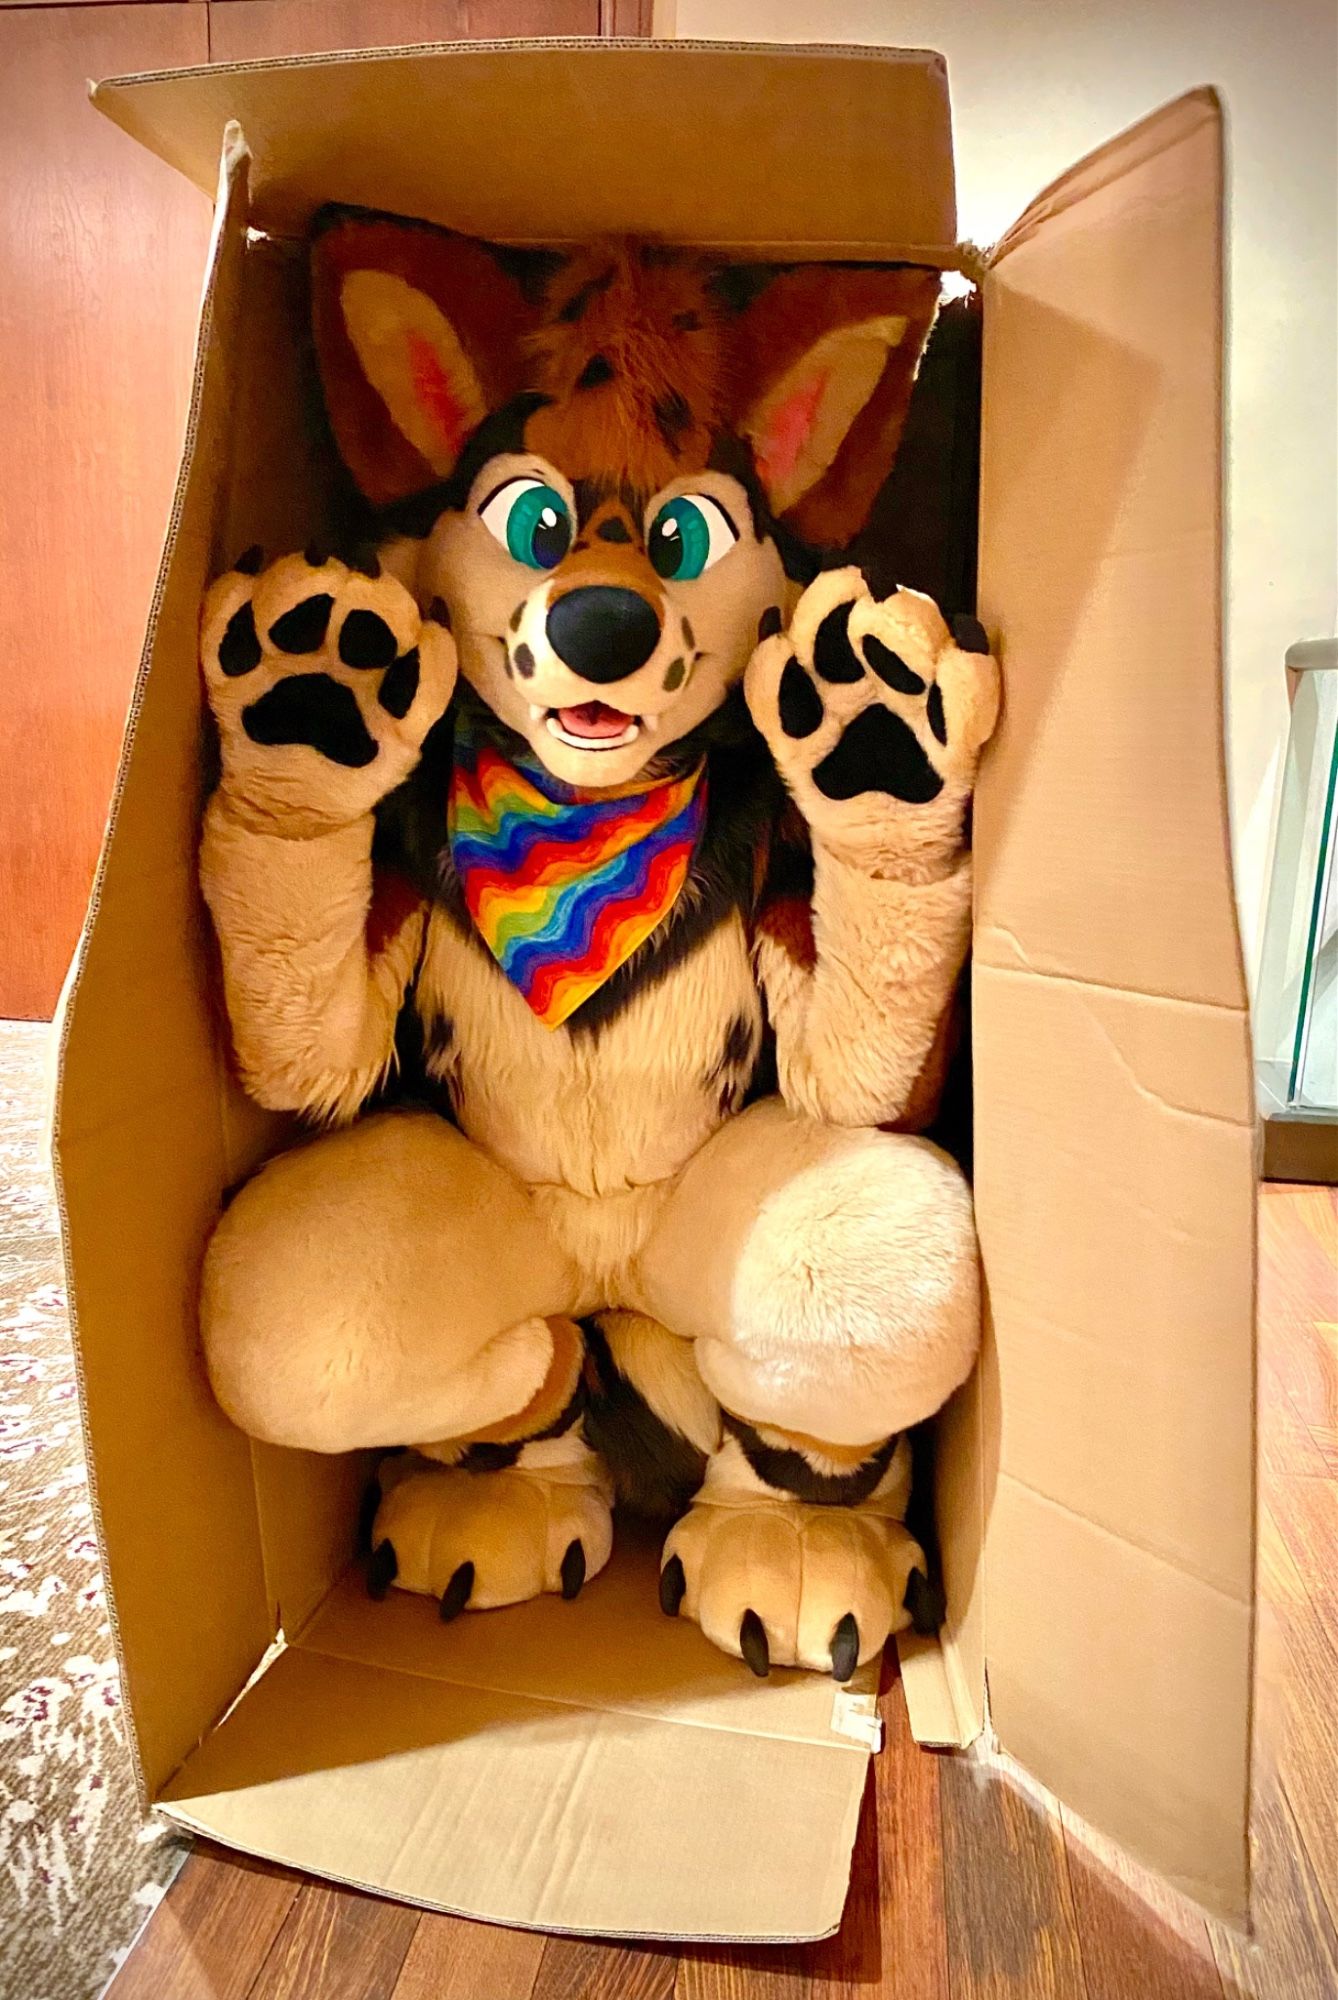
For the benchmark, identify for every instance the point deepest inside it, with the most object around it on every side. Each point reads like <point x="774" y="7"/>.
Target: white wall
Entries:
<point x="1037" y="83"/>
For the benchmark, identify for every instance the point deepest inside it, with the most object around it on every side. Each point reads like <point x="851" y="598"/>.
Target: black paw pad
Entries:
<point x="799" y="703"/>
<point x="834" y="658"/>
<point x="878" y="753"/>
<point x="239" y="648"/>
<point x="769" y="624"/>
<point x="925" y="1602"/>
<point x="845" y="1648"/>
<point x="456" y="1594"/>
<point x="890" y="667"/>
<point x="673" y="1587"/>
<point x="400" y="686"/>
<point x="753" y="1644"/>
<point x="251" y="561"/>
<point x="934" y="710"/>
<point x="572" y="1572"/>
<point x="969" y="634"/>
<point x="312" y="709"/>
<point x="302" y="630"/>
<point x="382" y="1569"/>
<point x="366" y="641"/>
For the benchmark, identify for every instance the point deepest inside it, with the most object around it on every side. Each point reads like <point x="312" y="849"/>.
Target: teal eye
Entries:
<point x="530" y="520"/>
<point x="688" y="535"/>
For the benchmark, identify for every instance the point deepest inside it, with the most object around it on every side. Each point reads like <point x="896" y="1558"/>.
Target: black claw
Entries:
<point x="367" y="1506"/>
<point x="925" y="1601"/>
<point x="317" y="554"/>
<point x="673" y="1587"/>
<point x="753" y="1644"/>
<point x="573" y="1571"/>
<point x="366" y="562"/>
<point x="969" y="634"/>
<point x="382" y="1570"/>
<point x="845" y="1648"/>
<point x="251" y="561"/>
<point x="456" y="1594"/>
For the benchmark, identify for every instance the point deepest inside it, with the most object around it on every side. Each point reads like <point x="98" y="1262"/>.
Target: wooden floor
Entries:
<point x="965" y="1887"/>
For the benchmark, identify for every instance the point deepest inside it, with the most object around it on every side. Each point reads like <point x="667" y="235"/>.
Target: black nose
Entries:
<point x="603" y="633"/>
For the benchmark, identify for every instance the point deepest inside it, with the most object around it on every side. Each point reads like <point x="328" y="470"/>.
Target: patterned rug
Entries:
<point x="78" y="1873"/>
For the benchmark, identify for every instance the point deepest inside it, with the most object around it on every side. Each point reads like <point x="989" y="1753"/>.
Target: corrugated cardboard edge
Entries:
<point x="232" y="174"/>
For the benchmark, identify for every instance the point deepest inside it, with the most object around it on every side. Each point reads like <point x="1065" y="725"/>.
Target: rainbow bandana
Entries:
<point x="563" y="885"/>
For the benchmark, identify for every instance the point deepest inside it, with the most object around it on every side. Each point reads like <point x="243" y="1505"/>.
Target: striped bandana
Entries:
<point x="563" y="885"/>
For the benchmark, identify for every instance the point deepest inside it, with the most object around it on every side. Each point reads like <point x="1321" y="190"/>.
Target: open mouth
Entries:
<point x="593" y="725"/>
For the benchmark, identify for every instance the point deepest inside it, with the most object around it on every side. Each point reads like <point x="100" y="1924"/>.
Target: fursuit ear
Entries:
<point x="825" y="357"/>
<point x="418" y="337"/>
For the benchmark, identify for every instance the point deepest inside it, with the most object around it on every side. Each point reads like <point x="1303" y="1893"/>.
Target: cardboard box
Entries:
<point x="594" y="1767"/>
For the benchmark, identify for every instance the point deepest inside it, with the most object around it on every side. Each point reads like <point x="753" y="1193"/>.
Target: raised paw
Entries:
<point x="874" y="712"/>
<point x="782" y="1583"/>
<point x="324" y="680"/>
<point x="478" y="1540"/>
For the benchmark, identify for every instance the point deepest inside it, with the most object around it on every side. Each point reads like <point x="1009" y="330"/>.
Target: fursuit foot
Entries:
<point x="783" y="1582"/>
<point x="479" y="1539"/>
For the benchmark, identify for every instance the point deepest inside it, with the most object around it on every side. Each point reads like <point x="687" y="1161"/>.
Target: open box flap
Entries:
<point x="705" y="136"/>
<point x="149" y="1127"/>
<point x="1115" y="1144"/>
<point x="578" y="1767"/>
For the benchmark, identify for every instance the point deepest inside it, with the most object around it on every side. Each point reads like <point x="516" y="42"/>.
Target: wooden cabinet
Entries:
<point x="101" y="252"/>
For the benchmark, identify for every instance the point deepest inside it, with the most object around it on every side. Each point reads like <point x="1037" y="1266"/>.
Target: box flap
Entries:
<point x="1115" y="1143"/>
<point x="579" y="1767"/>
<point x="705" y="135"/>
<point x="148" y="1128"/>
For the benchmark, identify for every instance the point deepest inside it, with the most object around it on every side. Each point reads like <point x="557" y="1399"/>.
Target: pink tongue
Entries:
<point x="593" y="719"/>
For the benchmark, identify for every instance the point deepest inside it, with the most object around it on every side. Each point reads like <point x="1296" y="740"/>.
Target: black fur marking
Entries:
<point x="438" y="613"/>
<point x="657" y="256"/>
<point x="834" y="658"/>
<point x="689" y="636"/>
<point x="769" y="624"/>
<point x="572" y="1571"/>
<point x="845" y="1648"/>
<point x="522" y="659"/>
<point x="890" y="667"/>
<point x="687" y="322"/>
<point x="673" y="1587"/>
<point x="251" y="561"/>
<point x="513" y="622"/>
<point x="925" y="1601"/>
<point x="312" y="709"/>
<point x="239" y="648"/>
<point x="503" y="431"/>
<point x="613" y="530"/>
<point x="655" y="1472"/>
<point x="316" y="555"/>
<point x="753" y="1644"/>
<point x="789" y="1471"/>
<point x="938" y="722"/>
<point x="303" y="629"/>
<point x="456" y="1594"/>
<point x="576" y="305"/>
<point x="597" y="370"/>
<point x="366" y="641"/>
<point x="969" y="634"/>
<point x="488" y="1457"/>
<point x="438" y="1037"/>
<point x="400" y="685"/>
<point x="382" y="1569"/>
<point x="674" y="675"/>
<point x="799" y="704"/>
<point x="673" y="417"/>
<point x="878" y="753"/>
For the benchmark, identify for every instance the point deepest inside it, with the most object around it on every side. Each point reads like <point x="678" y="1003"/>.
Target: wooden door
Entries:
<point x="101" y="251"/>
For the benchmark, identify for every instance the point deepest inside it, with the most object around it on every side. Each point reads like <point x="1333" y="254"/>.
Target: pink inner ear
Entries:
<point x="789" y="426"/>
<point x="436" y="395"/>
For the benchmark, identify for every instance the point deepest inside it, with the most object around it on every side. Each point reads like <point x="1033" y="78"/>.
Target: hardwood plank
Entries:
<point x="1296" y="1723"/>
<point x="1011" y="1925"/>
<point x="212" y="1931"/>
<point x="892" y="1944"/>
<point x="744" y="1972"/>
<point x="1293" y="1954"/>
<point x="1298" y="1303"/>
<point x="339" y="1944"/>
<point x="581" y="1969"/>
<point x="452" y="1959"/>
<point x="1135" y="1934"/>
<point x="1306" y="1513"/>
<point x="101" y="251"/>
